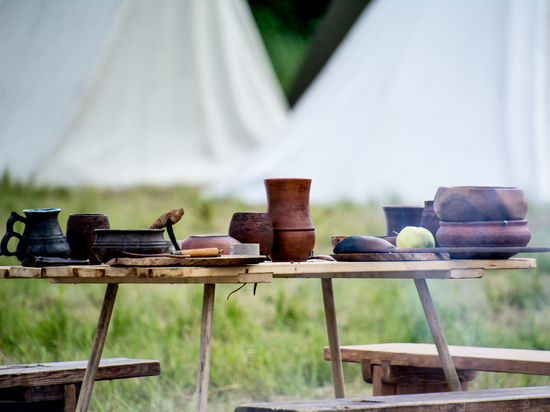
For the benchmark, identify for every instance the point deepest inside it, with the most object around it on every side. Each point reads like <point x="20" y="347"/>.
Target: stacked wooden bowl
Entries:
<point x="481" y="216"/>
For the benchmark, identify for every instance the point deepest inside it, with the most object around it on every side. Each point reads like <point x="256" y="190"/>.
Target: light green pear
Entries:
<point x="411" y="237"/>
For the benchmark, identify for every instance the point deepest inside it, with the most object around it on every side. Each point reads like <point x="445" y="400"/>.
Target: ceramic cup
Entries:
<point x="81" y="234"/>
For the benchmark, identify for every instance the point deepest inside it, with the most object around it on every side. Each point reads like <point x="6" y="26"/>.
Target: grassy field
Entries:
<point x="267" y="346"/>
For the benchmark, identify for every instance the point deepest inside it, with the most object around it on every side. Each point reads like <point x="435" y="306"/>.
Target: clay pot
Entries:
<point x="81" y="234"/>
<point x="111" y="243"/>
<point x="292" y="245"/>
<point x="484" y="233"/>
<point x="480" y="203"/>
<point x="429" y="219"/>
<point x="221" y="242"/>
<point x="288" y="208"/>
<point x="250" y="227"/>
<point x="397" y="217"/>
<point x="288" y="203"/>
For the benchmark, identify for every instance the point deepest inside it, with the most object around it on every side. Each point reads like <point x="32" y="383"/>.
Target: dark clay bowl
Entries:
<point x="480" y="203"/>
<point x="111" y="243"/>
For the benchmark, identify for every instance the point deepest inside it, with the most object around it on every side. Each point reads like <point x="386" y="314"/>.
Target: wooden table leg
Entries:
<point x="333" y="341"/>
<point x="205" y="347"/>
<point x="437" y="334"/>
<point x="97" y="347"/>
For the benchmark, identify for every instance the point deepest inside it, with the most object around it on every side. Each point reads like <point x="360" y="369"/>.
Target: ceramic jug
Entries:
<point x="42" y="235"/>
<point x="288" y="208"/>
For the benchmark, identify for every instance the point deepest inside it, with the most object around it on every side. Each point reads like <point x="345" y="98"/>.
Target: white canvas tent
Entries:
<point x="420" y="94"/>
<point x="120" y="92"/>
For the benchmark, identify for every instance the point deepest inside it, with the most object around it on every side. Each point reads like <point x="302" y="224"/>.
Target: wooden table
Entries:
<point x="419" y="271"/>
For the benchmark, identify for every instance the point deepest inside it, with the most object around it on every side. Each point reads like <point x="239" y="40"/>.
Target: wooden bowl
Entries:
<point x="480" y="203"/>
<point x="208" y="241"/>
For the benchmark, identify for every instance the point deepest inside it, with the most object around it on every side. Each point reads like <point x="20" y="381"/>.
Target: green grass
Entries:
<point x="267" y="346"/>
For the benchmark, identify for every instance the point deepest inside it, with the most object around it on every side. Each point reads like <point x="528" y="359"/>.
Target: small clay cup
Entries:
<point x="292" y="245"/>
<point x="251" y="227"/>
<point x="81" y="234"/>
<point x="397" y="217"/>
<point x="221" y="242"/>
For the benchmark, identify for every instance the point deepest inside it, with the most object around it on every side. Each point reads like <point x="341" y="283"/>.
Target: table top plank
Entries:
<point x="437" y="269"/>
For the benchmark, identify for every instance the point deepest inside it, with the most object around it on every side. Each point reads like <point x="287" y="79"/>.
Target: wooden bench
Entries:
<point x="56" y="386"/>
<point x="493" y="400"/>
<point x="403" y="368"/>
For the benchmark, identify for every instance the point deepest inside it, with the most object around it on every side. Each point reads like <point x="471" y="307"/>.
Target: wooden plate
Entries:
<point x="224" y="260"/>
<point x="385" y="257"/>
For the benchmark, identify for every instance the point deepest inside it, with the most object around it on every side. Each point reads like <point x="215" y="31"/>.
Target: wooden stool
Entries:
<point x="404" y="368"/>
<point x="55" y="386"/>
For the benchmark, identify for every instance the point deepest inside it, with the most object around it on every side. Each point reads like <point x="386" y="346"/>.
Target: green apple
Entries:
<point x="415" y="237"/>
<point x="430" y="241"/>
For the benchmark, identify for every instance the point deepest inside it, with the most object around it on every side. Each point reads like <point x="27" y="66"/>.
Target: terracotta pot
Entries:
<point x="397" y="217"/>
<point x="207" y="241"/>
<point x="292" y="245"/>
<point x="111" y="243"/>
<point x="490" y="233"/>
<point x="288" y="203"/>
<point x="250" y="227"/>
<point x="81" y="234"/>
<point x="429" y="219"/>
<point x="480" y="203"/>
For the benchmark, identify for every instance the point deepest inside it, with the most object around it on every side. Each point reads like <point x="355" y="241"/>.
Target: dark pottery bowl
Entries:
<point x="480" y="203"/>
<point x="111" y="243"/>
<point x="221" y="242"/>
<point x="251" y="227"/>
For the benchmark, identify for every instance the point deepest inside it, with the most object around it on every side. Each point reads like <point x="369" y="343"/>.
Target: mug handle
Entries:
<point x="10" y="232"/>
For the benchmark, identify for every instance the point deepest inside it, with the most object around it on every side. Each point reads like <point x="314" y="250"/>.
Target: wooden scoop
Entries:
<point x="174" y="215"/>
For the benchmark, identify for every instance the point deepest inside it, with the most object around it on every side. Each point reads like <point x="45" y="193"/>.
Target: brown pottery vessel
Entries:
<point x="397" y="217"/>
<point x="221" y="242"/>
<point x="288" y="208"/>
<point x="480" y="203"/>
<point x="81" y="234"/>
<point x="486" y="234"/>
<point x="288" y="203"/>
<point x="429" y="219"/>
<point x="292" y="245"/>
<point x="251" y="227"/>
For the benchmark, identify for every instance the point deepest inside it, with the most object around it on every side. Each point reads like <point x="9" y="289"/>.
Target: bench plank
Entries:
<point x="492" y="400"/>
<point x="531" y="362"/>
<point x="62" y="373"/>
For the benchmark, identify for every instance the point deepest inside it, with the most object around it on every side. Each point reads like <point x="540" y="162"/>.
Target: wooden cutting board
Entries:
<point x="224" y="260"/>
